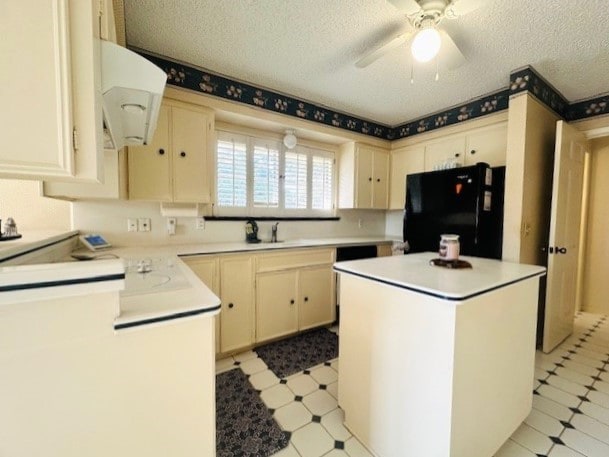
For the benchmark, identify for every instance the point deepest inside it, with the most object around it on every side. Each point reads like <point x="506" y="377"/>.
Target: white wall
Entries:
<point x="110" y="219"/>
<point x="21" y="200"/>
<point x="394" y="221"/>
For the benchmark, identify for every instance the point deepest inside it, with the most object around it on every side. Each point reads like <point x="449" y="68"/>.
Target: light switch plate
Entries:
<point x="143" y="224"/>
<point x="132" y="225"/>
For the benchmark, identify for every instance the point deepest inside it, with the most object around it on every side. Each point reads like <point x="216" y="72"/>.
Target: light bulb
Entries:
<point x="289" y="140"/>
<point x="426" y="44"/>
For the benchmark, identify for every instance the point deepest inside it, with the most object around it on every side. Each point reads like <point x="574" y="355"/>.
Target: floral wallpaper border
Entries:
<point x="526" y="79"/>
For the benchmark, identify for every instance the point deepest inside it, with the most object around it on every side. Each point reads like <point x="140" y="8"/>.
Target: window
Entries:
<point x="259" y="177"/>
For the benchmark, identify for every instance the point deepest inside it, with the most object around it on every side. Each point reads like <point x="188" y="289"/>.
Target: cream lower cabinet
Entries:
<point x="237" y="295"/>
<point x="294" y="291"/>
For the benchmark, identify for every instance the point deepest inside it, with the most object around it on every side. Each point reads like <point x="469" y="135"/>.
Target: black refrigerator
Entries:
<point x="466" y="201"/>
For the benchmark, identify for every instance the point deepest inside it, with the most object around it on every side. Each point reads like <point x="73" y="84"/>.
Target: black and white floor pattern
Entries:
<point x="570" y="416"/>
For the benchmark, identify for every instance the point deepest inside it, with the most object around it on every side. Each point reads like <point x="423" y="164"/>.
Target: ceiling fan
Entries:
<point x="427" y="39"/>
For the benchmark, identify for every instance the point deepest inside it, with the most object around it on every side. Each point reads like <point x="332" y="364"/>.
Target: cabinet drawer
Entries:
<point x="294" y="259"/>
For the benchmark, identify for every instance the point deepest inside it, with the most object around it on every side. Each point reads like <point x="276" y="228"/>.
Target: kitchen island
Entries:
<point x="434" y="361"/>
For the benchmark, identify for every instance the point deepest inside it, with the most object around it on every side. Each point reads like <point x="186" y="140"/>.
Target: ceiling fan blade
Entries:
<point x="451" y="56"/>
<point x="462" y="7"/>
<point x="382" y="50"/>
<point x="407" y="7"/>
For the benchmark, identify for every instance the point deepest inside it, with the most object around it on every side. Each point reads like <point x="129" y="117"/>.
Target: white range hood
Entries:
<point x="132" y="89"/>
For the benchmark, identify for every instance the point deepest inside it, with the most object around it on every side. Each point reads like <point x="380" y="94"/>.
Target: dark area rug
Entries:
<point x="300" y="352"/>
<point x="244" y="425"/>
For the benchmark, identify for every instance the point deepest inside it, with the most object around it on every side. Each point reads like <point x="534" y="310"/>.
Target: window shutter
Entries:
<point x="295" y="182"/>
<point x="321" y="183"/>
<point x="231" y="172"/>
<point x="266" y="175"/>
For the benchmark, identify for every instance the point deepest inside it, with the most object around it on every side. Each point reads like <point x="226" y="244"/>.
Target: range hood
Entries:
<point x="132" y="89"/>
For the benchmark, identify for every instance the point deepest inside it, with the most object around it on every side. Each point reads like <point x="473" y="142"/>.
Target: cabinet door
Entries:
<point x="380" y="183"/>
<point x="149" y="166"/>
<point x="404" y="161"/>
<point x="488" y="145"/>
<point x="206" y="269"/>
<point x="442" y="153"/>
<point x="276" y="308"/>
<point x="383" y="250"/>
<point x="364" y="161"/>
<point x="317" y="300"/>
<point x="236" y="291"/>
<point x="50" y="90"/>
<point x="190" y="133"/>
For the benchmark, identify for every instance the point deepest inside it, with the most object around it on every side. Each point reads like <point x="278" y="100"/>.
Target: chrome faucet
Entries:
<point x="274" y="232"/>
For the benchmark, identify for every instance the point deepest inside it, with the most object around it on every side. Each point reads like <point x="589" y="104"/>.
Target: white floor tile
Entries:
<point x="574" y="376"/>
<point x="292" y="416"/>
<point x="263" y="380"/>
<point x="302" y="384"/>
<point x="580" y="368"/>
<point x="324" y="375"/>
<point x="289" y="451"/>
<point x="564" y="451"/>
<point x="595" y="347"/>
<point x="599" y="398"/>
<point x="531" y="439"/>
<point x="333" y="423"/>
<point x="566" y="386"/>
<point x="544" y="423"/>
<point x="552" y="408"/>
<point x="333" y="389"/>
<point x="541" y="374"/>
<point x="334" y="329"/>
<point x="277" y="396"/>
<point x="604" y="376"/>
<point x="252" y="366"/>
<point x="312" y="440"/>
<point x="226" y="364"/>
<point x="584" y="444"/>
<point x="594" y="363"/>
<point x="602" y="386"/>
<point x="591" y="427"/>
<point x="320" y="402"/>
<point x="513" y="449"/>
<point x="334" y="364"/>
<point x="595" y="411"/>
<point x="559" y="396"/>
<point x="242" y="357"/>
<point x="356" y="449"/>
<point x="591" y="354"/>
<point x="336" y="453"/>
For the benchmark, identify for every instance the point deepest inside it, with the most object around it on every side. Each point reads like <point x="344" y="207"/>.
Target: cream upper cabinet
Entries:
<point x="363" y="177"/>
<point x="276" y="309"/>
<point x="237" y="295"/>
<point x="404" y="161"/>
<point x="174" y="167"/>
<point x="487" y="145"/>
<point x="51" y="96"/>
<point x="445" y="152"/>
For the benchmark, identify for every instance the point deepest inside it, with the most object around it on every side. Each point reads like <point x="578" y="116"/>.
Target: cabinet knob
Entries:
<point x="182" y="154"/>
<point x="161" y="151"/>
<point x="457" y="154"/>
<point x="378" y="179"/>
<point x="370" y="179"/>
<point x="230" y="305"/>
<point x="473" y="151"/>
<point x="306" y="299"/>
<point x="291" y="302"/>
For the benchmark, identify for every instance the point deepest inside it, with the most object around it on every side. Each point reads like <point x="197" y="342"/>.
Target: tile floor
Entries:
<point x="570" y="416"/>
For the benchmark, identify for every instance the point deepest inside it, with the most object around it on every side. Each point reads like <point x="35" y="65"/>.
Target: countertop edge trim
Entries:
<point x="436" y="295"/>
<point x="62" y="282"/>
<point x="168" y="317"/>
<point x="37" y="248"/>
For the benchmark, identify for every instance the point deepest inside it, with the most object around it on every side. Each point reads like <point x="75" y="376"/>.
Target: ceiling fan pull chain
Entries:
<point x="412" y="73"/>
<point x="437" y="67"/>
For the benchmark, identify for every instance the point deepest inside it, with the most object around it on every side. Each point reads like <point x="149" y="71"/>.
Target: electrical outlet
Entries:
<point x="172" y="222"/>
<point x="200" y="223"/>
<point x="132" y="225"/>
<point x="143" y="224"/>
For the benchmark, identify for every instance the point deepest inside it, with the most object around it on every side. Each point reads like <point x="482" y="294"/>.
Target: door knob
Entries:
<point x="182" y="154"/>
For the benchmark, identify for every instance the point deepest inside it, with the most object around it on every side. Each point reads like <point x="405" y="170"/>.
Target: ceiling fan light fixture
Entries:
<point x="289" y="140"/>
<point x="426" y="44"/>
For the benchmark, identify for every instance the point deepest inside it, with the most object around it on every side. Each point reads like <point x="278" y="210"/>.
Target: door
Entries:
<point x="276" y="307"/>
<point x="364" y="162"/>
<point x="569" y="155"/>
<point x="190" y="130"/>
<point x="404" y="161"/>
<point x="316" y="306"/>
<point x="236" y="292"/>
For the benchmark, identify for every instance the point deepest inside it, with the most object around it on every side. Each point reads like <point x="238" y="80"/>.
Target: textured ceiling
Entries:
<point x="307" y="49"/>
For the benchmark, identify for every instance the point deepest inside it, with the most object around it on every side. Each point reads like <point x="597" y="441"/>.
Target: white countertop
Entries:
<point x="32" y="240"/>
<point x="414" y="272"/>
